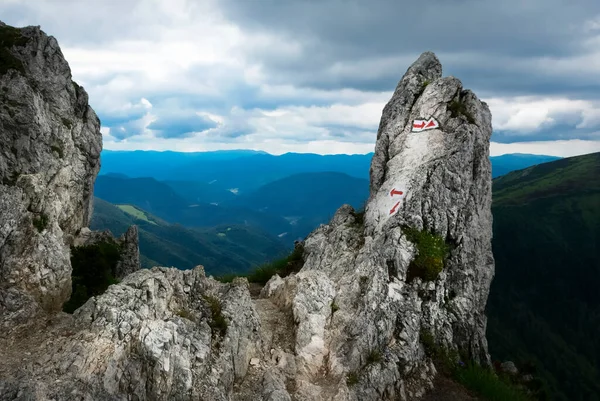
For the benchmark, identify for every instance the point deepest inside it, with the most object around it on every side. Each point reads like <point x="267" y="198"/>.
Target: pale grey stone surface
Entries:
<point x="50" y="146"/>
<point x="148" y="338"/>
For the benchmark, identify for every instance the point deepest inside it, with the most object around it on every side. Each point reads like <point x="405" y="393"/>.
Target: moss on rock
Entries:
<point x="432" y="252"/>
<point x="9" y="38"/>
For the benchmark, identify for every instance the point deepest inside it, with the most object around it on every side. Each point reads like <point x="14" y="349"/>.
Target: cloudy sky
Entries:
<point x="314" y="75"/>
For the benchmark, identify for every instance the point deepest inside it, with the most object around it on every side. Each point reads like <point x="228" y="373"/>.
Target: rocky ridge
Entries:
<point x="348" y="326"/>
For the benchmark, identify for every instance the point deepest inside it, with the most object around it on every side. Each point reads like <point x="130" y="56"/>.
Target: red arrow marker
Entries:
<point x="395" y="207"/>
<point x="431" y="123"/>
<point x="419" y="126"/>
<point x="396" y="192"/>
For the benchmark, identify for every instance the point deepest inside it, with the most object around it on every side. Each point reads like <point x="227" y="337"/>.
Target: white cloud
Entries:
<point x="552" y="148"/>
<point x="146" y="103"/>
<point x="272" y="146"/>
<point x="529" y="114"/>
<point x="592" y="24"/>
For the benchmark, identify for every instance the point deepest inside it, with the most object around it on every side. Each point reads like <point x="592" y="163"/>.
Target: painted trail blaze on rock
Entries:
<point x="396" y="195"/>
<point x="424" y="125"/>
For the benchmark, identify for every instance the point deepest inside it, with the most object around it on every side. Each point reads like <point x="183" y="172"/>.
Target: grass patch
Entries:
<point x="426" y="339"/>
<point x="432" y="251"/>
<point x="283" y="267"/>
<point x="94" y="268"/>
<point x="227" y="278"/>
<point x="374" y="357"/>
<point x="458" y="108"/>
<point x="9" y="38"/>
<point x="218" y="324"/>
<point x="41" y="222"/>
<point x="445" y="359"/>
<point x="474" y="377"/>
<point x="135" y="212"/>
<point x="488" y="385"/>
<point x="351" y="379"/>
<point x="334" y="307"/>
<point x="424" y="84"/>
<point x="359" y="217"/>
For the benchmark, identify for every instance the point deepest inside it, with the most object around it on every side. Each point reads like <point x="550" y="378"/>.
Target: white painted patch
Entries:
<point x="424" y="125"/>
<point x="388" y="202"/>
<point x="395" y="197"/>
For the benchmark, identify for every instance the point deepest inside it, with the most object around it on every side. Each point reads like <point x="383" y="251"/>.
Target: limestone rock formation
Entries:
<point x="161" y="334"/>
<point x="50" y="145"/>
<point x="375" y="289"/>
<point x="128" y="243"/>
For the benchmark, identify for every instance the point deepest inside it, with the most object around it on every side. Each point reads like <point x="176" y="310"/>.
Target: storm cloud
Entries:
<point x="305" y="75"/>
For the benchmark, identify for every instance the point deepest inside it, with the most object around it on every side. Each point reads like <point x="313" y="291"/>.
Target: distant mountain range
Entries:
<point x="307" y="199"/>
<point x="230" y="170"/>
<point x="244" y="171"/>
<point x="544" y="305"/>
<point x="504" y="164"/>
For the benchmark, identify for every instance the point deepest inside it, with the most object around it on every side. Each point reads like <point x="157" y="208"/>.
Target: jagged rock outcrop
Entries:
<point x="352" y="324"/>
<point x="128" y="244"/>
<point x="50" y="145"/>
<point x="162" y="334"/>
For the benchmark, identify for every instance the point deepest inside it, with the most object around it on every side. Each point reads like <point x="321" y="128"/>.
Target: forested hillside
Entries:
<point x="220" y="250"/>
<point x="544" y="305"/>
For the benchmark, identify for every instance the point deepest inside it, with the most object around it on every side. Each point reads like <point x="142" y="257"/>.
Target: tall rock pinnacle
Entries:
<point x="431" y="171"/>
<point x="418" y="265"/>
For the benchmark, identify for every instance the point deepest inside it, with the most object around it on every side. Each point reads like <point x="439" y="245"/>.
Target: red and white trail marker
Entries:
<point x="424" y="125"/>
<point x="397" y="196"/>
<point x="395" y="208"/>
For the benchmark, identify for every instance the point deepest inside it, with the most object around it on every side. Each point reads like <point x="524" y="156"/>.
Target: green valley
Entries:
<point x="221" y="249"/>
